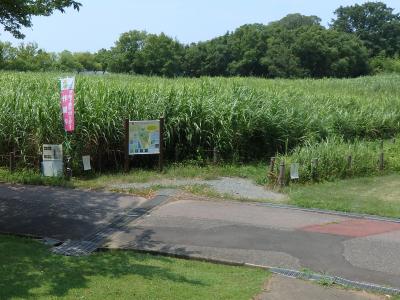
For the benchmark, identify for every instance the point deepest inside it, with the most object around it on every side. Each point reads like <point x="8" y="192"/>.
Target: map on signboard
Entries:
<point x="144" y="137"/>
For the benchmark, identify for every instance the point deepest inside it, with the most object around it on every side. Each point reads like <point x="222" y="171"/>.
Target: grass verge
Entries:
<point x="29" y="271"/>
<point x="370" y="195"/>
<point x="255" y="172"/>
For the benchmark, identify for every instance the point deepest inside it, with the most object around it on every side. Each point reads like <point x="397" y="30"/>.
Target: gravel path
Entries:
<point x="235" y="187"/>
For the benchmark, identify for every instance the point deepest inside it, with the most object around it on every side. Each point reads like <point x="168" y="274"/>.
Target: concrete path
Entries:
<point x="356" y="249"/>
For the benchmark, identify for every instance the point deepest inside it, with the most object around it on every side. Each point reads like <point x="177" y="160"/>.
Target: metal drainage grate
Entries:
<point x="93" y="241"/>
<point x="336" y="280"/>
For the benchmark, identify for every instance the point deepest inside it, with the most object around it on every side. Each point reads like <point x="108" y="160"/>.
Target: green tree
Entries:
<point x="218" y="56"/>
<point x="103" y="58"/>
<point x="294" y="21"/>
<point x="68" y="62"/>
<point x="16" y="14"/>
<point x="7" y="54"/>
<point x="124" y="55"/>
<point x="324" y="53"/>
<point x="374" y="23"/>
<point x="248" y="45"/>
<point x="193" y="60"/>
<point x="24" y="58"/>
<point x="280" y="59"/>
<point x="88" y="61"/>
<point x="161" y="55"/>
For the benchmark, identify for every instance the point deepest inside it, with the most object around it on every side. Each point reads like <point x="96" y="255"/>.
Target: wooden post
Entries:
<point x="349" y="161"/>
<point x="314" y="168"/>
<point x="12" y="161"/>
<point x="272" y="165"/>
<point x="271" y="168"/>
<point x="126" y="145"/>
<point x="215" y="155"/>
<point x="161" y="155"/>
<point x="177" y="153"/>
<point x="381" y="161"/>
<point x="282" y="172"/>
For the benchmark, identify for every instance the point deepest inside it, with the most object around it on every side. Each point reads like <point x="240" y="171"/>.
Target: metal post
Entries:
<point x="68" y="168"/>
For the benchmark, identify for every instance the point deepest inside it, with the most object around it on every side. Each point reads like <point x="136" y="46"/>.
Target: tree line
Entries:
<point x="361" y="39"/>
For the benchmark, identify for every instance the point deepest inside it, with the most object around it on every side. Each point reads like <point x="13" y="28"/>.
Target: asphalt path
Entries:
<point x="357" y="249"/>
<point x="59" y="213"/>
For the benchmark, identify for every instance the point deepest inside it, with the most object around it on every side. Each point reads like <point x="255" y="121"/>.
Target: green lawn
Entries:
<point x="29" y="271"/>
<point x="371" y="195"/>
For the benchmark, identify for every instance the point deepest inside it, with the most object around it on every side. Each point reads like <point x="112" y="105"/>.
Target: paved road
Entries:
<point x="357" y="249"/>
<point x="58" y="213"/>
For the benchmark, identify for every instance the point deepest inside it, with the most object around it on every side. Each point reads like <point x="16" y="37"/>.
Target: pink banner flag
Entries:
<point x="67" y="103"/>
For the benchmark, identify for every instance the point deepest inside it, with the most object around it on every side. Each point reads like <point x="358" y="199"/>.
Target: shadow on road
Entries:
<point x="58" y="212"/>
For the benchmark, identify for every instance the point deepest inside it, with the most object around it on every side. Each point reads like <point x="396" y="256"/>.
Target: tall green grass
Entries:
<point x="333" y="163"/>
<point x="244" y="118"/>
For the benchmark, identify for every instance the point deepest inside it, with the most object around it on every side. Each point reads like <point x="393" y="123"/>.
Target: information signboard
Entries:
<point x="144" y="137"/>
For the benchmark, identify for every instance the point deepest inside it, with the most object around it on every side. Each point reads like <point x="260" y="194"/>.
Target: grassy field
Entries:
<point x="244" y="118"/>
<point x="29" y="271"/>
<point x="371" y="195"/>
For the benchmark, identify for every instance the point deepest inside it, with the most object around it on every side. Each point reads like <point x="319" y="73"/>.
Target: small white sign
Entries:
<point x="52" y="152"/>
<point x="52" y="168"/>
<point x="86" y="162"/>
<point x="294" y="171"/>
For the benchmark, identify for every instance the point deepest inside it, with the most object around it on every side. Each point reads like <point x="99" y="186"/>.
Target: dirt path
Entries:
<point x="231" y="186"/>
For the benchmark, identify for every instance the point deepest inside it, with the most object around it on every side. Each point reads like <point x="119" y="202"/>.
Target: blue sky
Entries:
<point x="100" y="22"/>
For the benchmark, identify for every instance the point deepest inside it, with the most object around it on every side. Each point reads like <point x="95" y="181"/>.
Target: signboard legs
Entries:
<point x="161" y="155"/>
<point x="126" y="145"/>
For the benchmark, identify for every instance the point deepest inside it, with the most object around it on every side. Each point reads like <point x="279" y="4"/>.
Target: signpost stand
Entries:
<point x="126" y="145"/>
<point x="144" y="138"/>
<point x="161" y="155"/>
